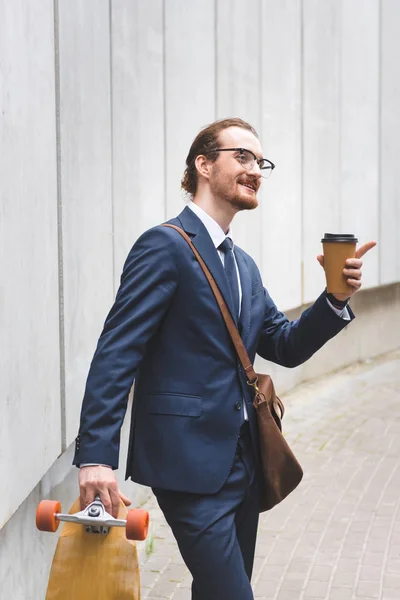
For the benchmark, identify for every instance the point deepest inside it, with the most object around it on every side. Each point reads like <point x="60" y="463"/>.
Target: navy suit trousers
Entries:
<point x="216" y="533"/>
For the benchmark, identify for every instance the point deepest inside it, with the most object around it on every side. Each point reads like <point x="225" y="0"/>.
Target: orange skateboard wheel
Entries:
<point x="46" y="515"/>
<point x="137" y="524"/>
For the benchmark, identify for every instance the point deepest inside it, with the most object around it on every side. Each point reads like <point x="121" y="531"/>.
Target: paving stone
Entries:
<point x="316" y="589"/>
<point x="368" y="589"/>
<point x="164" y="589"/>
<point x="266" y="588"/>
<point x="390" y="595"/>
<point x="271" y="573"/>
<point x="370" y="574"/>
<point x="341" y="594"/>
<point x="373" y="559"/>
<point x="148" y="578"/>
<point x="392" y="582"/>
<point x="182" y="594"/>
<point x="321" y="573"/>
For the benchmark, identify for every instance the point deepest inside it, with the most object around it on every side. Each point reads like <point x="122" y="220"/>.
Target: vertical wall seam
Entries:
<point x="301" y="7"/>
<point x="380" y="52"/>
<point x="164" y="86"/>
<point x="260" y="65"/>
<point x="111" y="145"/>
<point x="340" y="115"/>
<point x="260" y="115"/>
<point x="216" y="112"/>
<point x="60" y="230"/>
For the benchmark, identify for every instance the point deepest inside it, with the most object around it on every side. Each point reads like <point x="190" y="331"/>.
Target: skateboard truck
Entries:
<point x="94" y="517"/>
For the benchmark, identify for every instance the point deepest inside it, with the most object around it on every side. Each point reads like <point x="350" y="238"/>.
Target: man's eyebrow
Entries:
<point x="252" y="151"/>
<point x="256" y="154"/>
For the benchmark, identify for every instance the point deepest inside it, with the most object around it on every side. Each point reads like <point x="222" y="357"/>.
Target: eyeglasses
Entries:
<point x="247" y="158"/>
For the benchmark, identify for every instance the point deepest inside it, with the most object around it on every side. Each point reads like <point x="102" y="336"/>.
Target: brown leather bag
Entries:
<point x="282" y="472"/>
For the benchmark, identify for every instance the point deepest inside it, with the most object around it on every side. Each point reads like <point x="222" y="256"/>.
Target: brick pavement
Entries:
<point x="337" y="537"/>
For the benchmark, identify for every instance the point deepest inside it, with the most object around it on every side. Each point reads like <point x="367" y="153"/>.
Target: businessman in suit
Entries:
<point x="193" y="430"/>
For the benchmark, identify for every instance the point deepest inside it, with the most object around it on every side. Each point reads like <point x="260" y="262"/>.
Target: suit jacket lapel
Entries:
<point x="203" y="243"/>
<point x="245" y="282"/>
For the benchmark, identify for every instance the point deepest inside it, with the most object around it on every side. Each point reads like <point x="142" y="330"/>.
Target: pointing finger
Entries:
<point x="364" y="249"/>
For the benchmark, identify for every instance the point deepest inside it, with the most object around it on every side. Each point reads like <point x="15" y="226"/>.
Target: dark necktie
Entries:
<point x="231" y="273"/>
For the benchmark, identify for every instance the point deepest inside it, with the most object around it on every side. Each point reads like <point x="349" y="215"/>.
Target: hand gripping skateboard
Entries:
<point x="96" y="557"/>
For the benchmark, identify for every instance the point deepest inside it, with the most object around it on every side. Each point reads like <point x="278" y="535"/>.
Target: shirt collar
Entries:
<point x="215" y="231"/>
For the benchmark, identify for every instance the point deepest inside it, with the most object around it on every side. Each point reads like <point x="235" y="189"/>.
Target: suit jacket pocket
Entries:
<point x="171" y="404"/>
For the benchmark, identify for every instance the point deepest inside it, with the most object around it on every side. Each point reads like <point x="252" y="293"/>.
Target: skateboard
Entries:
<point x="96" y="556"/>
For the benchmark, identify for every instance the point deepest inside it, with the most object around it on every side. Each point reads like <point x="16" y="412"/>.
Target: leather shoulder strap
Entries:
<point x="232" y="329"/>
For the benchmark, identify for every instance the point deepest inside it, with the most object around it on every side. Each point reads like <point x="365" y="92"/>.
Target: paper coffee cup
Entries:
<point x="337" y="248"/>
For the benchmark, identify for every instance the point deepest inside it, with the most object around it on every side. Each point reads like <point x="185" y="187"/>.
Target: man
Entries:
<point x="193" y="431"/>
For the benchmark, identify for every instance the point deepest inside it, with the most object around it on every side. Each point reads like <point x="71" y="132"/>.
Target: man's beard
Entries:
<point x="243" y="203"/>
<point x="228" y="190"/>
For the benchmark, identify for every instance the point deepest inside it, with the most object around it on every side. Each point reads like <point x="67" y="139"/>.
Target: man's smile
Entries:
<point x="250" y="185"/>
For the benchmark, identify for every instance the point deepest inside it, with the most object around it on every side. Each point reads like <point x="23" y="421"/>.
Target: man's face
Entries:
<point x="230" y="181"/>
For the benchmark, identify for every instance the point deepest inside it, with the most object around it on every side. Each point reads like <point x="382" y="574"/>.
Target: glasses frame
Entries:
<point x="270" y="165"/>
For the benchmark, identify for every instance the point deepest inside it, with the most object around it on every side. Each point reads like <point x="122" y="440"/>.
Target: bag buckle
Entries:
<point x="254" y="385"/>
<point x="259" y="396"/>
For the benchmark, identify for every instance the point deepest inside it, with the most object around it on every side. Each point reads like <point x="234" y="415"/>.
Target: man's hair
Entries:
<point x="206" y="142"/>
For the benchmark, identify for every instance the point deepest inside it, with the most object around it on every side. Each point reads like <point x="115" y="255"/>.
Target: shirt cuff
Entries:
<point x="94" y="465"/>
<point x="343" y="313"/>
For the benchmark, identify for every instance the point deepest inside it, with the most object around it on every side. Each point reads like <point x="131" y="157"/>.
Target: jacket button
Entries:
<point x="238" y="406"/>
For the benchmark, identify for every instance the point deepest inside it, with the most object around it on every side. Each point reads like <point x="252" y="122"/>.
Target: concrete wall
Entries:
<point x="99" y="102"/>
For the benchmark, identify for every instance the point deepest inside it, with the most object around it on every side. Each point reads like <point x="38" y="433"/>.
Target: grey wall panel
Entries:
<point x="189" y="85"/>
<point x="359" y="127"/>
<point x="86" y="187"/>
<point x="321" y="40"/>
<point x="238" y="59"/>
<point x="238" y="90"/>
<point x="389" y="239"/>
<point x="30" y="433"/>
<point x="138" y="121"/>
<point x="281" y="106"/>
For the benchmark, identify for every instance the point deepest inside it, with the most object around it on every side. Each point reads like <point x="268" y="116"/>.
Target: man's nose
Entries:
<point x="255" y="170"/>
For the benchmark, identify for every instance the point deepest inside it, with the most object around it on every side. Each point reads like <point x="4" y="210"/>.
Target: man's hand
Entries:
<point x="352" y="270"/>
<point x="100" y="480"/>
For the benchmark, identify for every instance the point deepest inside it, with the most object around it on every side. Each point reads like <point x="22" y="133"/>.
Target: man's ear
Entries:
<point x="203" y="166"/>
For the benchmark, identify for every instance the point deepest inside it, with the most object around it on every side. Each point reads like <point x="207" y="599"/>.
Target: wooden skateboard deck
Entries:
<point x="90" y="566"/>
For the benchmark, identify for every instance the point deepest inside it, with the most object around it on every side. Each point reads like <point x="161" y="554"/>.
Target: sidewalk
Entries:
<point x="337" y="537"/>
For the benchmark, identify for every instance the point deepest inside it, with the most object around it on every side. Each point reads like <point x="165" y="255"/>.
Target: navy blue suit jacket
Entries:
<point x="165" y="331"/>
